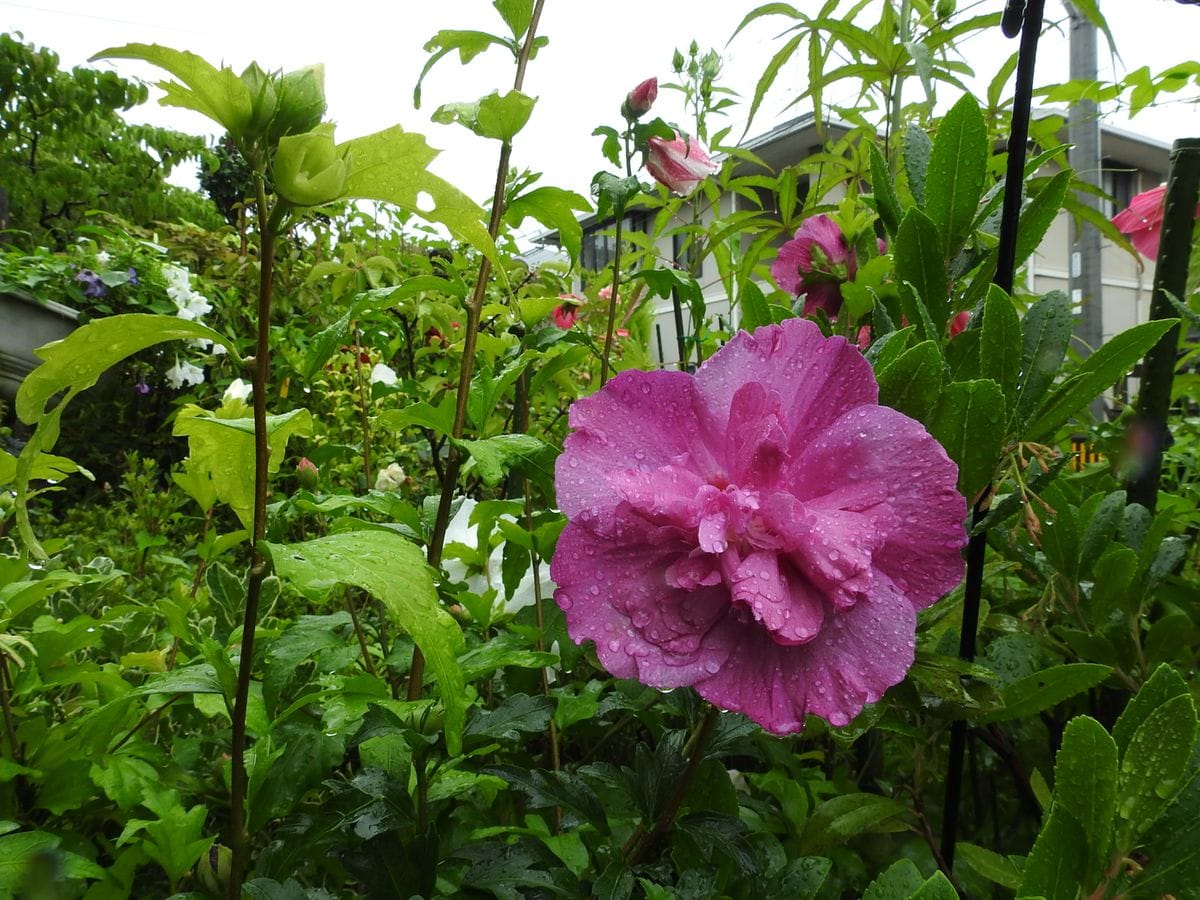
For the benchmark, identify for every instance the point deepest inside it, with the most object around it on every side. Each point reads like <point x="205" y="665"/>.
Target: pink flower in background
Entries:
<point x="762" y="530"/>
<point x="815" y="263"/>
<point x="605" y="293"/>
<point x="680" y="164"/>
<point x="566" y="313"/>
<point x="958" y="324"/>
<point x="1142" y="221"/>
<point x="640" y="99"/>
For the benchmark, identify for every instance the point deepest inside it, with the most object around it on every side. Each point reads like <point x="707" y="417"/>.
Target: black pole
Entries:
<point x="1030" y="30"/>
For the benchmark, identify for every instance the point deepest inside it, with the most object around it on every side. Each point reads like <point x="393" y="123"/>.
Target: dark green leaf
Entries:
<point x="1000" y="343"/>
<point x="1046" y="689"/>
<point x="954" y="180"/>
<point x="1085" y="785"/>
<point x="1154" y="765"/>
<point x="1055" y="866"/>
<point x="921" y="262"/>
<point x="518" y="714"/>
<point x="546" y="789"/>
<point x="913" y="382"/>
<point x="969" y="423"/>
<point x="849" y="815"/>
<point x="1045" y="333"/>
<point x="917" y="148"/>
<point x="886" y="204"/>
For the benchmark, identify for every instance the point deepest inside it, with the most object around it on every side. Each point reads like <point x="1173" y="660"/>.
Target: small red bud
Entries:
<point x="307" y="474"/>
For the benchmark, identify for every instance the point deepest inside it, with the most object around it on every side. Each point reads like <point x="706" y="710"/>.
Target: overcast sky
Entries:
<point x="373" y="55"/>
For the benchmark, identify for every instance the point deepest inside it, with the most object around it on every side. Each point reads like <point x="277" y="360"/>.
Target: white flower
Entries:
<point x="462" y="531"/>
<point x="390" y="478"/>
<point x="184" y="373"/>
<point x="189" y="304"/>
<point x="219" y="350"/>
<point x="238" y="390"/>
<point x="382" y="374"/>
<point x="102" y="257"/>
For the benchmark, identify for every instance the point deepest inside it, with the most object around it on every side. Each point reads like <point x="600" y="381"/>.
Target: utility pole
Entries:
<point x="1083" y="132"/>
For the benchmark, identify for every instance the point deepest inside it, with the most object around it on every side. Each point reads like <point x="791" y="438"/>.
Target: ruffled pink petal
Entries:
<point x="817" y="378"/>
<point x="614" y="592"/>
<point x="873" y="455"/>
<point x="858" y="654"/>
<point x="641" y="421"/>
<point x="783" y="602"/>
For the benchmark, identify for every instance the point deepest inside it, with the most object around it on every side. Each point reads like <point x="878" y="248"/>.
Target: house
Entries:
<point x="1131" y="164"/>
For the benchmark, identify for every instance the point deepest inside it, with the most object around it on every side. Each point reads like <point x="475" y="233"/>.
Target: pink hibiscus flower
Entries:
<point x="566" y="313"/>
<point x="679" y="164"/>
<point x="1142" y="221"/>
<point x="762" y="530"/>
<point x="815" y="263"/>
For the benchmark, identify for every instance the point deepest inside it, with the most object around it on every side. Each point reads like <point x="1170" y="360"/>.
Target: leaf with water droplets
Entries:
<point x="1154" y="765"/>
<point x="393" y="570"/>
<point x="1085" y="785"/>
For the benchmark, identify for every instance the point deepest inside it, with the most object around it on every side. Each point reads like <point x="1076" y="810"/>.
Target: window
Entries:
<point x="599" y="243"/>
<point x="686" y="254"/>
<point x="1119" y="181"/>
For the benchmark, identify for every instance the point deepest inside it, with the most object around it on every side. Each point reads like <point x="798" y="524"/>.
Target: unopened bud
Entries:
<point x="307" y="474"/>
<point x="640" y="99"/>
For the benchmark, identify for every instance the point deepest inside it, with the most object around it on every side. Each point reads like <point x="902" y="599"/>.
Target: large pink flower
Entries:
<point x="762" y="530"/>
<point x="679" y="164"/>
<point x="1142" y="220"/>
<point x="815" y="263"/>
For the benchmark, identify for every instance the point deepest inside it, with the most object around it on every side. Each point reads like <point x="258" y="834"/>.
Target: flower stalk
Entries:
<point x="474" y="315"/>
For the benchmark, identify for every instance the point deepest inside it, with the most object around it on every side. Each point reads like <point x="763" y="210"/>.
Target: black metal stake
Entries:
<point x="1030" y="29"/>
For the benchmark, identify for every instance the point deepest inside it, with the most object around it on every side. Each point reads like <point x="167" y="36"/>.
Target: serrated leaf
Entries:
<point x="917" y="148"/>
<point x="954" y="180"/>
<point x="913" y="382"/>
<point x="518" y="714"/>
<point x="989" y="864"/>
<point x="394" y="571"/>
<point x="392" y="166"/>
<point x="1154" y="765"/>
<point x="1045" y="333"/>
<point x="841" y="818"/>
<point x="555" y="208"/>
<point x="1055" y="866"/>
<point x="920" y="262"/>
<point x="1085" y="786"/>
<point x="1098" y="533"/>
<point x="217" y="93"/>
<point x="969" y="423"/>
<point x="546" y="789"/>
<point x="1100" y="371"/>
<point x="1000" y="343"/>
<point x="886" y="204"/>
<point x="1046" y="689"/>
<point x="495" y="456"/>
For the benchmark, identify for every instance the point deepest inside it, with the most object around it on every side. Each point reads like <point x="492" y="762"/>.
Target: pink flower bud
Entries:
<point x="680" y="164"/>
<point x="307" y="474"/>
<point x="640" y="99"/>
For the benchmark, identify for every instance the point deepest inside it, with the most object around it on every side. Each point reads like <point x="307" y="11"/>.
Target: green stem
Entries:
<point x="9" y="730"/>
<point x="642" y="841"/>
<point x="474" y="314"/>
<point x="363" y="409"/>
<point x="612" y="304"/>
<point x="268" y="221"/>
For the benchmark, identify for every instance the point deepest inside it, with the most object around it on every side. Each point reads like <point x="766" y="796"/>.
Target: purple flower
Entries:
<point x="762" y="530"/>
<point x="141" y="388"/>
<point x="815" y="263"/>
<point x="92" y="285"/>
<point x="132" y="273"/>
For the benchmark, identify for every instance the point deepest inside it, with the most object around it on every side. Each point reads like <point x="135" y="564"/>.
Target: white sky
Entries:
<point x="598" y="50"/>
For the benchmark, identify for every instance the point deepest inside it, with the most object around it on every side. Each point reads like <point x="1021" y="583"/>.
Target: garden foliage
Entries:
<point x="405" y="579"/>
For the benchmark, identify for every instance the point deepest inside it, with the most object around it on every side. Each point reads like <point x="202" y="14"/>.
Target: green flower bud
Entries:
<point x="301" y="101"/>
<point x="308" y="170"/>
<point x="307" y="474"/>
<point x="263" y="100"/>
<point x="213" y="869"/>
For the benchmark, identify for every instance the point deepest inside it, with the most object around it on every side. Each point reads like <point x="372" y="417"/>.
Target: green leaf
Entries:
<point x="546" y="789"/>
<point x="494" y="456"/>
<point x="516" y="14"/>
<point x="1060" y="534"/>
<point x="494" y="116"/>
<point x="899" y="881"/>
<point x="439" y="418"/>
<point x="469" y="44"/>
<point x="1163" y="684"/>
<point x="76" y="363"/>
<point x="1171" y="844"/>
<point x="1154" y="765"/>
<point x="913" y="382"/>
<point x="174" y="841"/>
<point x="1110" y="362"/>
<point x="18" y="851"/>
<point x="954" y="180"/>
<point x="886" y="204"/>
<point x="969" y="423"/>
<point x="392" y="166"/>
<point x="990" y="865"/>
<point x="223" y="449"/>
<point x="1045" y="333"/>
<point x="1055" y="866"/>
<point x="1046" y="689"/>
<point x="755" y="311"/>
<point x="920" y="262"/>
<point x="840" y="818"/>
<point x="518" y="714"/>
<point x="1040" y="214"/>
<point x="217" y="93"/>
<point x="917" y="149"/>
<point x="393" y="570"/>
<point x="1098" y="533"/>
<point x="201" y="679"/>
<point x="1085" y="785"/>
<point x="555" y="208"/>
<point x="1000" y="343"/>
